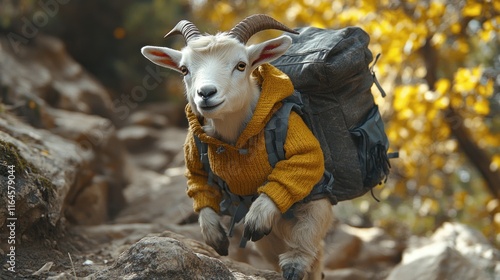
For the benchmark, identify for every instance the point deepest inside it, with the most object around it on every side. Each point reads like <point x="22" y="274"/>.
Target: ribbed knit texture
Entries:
<point x="291" y="179"/>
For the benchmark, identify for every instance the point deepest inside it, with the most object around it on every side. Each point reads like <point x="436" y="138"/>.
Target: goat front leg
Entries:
<point x="213" y="232"/>
<point x="260" y="218"/>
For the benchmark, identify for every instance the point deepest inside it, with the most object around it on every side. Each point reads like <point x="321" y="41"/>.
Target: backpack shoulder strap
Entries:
<point x="233" y="205"/>
<point x="372" y="72"/>
<point x="203" y="152"/>
<point x="277" y="128"/>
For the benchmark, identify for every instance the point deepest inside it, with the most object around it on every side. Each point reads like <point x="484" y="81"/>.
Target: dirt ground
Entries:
<point x="156" y="202"/>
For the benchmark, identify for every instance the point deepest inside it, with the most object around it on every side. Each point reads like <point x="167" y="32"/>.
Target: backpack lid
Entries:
<point x="322" y="60"/>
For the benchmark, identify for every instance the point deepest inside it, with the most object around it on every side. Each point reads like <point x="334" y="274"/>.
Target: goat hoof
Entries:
<point x="293" y="272"/>
<point x="221" y="247"/>
<point x="222" y="250"/>
<point x="254" y="234"/>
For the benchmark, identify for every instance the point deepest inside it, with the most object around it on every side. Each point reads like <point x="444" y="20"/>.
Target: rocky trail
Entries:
<point x="98" y="194"/>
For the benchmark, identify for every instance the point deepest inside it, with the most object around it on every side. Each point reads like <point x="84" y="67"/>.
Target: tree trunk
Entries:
<point x="477" y="156"/>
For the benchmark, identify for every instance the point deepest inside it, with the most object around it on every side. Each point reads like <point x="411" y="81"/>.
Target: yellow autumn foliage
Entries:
<point x="459" y="34"/>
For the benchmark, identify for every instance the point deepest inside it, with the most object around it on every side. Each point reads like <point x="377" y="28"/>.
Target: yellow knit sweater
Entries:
<point x="291" y="179"/>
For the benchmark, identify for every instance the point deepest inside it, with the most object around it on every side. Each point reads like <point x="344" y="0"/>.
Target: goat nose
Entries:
<point x="206" y="91"/>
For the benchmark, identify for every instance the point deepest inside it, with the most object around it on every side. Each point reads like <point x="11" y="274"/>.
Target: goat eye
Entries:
<point x="184" y="70"/>
<point x="241" y="66"/>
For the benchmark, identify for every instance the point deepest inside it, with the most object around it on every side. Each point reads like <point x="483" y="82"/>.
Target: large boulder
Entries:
<point x="471" y="244"/>
<point x="455" y="251"/>
<point x="46" y="167"/>
<point x="437" y="261"/>
<point x="360" y="253"/>
<point x="172" y="256"/>
<point x="164" y="258"/>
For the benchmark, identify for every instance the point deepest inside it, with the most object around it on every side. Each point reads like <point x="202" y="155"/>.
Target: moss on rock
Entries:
<point x="11" y="156"/>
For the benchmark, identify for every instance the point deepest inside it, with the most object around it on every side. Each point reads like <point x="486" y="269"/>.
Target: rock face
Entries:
<point x="45" y="168"/>
<point x="57" y="131"/>
<point x="44" y="71"/>
<point x="97" y="138"/>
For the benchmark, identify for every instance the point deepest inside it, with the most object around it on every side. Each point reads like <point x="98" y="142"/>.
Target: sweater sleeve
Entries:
<point x="292" y="179"/>
<point x="203" y="195"/>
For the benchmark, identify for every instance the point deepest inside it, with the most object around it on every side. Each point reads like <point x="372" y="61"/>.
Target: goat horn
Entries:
<point x="256" y="23"/>
<point x="186" y="29"/>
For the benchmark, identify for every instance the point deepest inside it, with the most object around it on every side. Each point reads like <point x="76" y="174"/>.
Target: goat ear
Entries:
<point x="268" y="50"/>
<point x="164" y="57"/>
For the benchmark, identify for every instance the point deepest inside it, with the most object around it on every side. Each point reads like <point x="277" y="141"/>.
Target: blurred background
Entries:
<point x="440" y="67"/>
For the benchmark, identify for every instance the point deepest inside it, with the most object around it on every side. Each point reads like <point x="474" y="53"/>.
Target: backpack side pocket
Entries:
<point x="372" y="148"/>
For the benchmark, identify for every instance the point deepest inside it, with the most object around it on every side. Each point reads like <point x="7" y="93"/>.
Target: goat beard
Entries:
<point x="209" y="128"/>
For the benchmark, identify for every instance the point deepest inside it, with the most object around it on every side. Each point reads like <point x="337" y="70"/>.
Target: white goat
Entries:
<point x="217" y="72"/>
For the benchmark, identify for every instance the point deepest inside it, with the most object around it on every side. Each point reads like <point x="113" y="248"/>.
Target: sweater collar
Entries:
<point x="275" y="86"/>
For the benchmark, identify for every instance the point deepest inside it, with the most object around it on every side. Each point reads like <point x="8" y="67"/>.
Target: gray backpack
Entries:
<point x="332" y="78"/>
